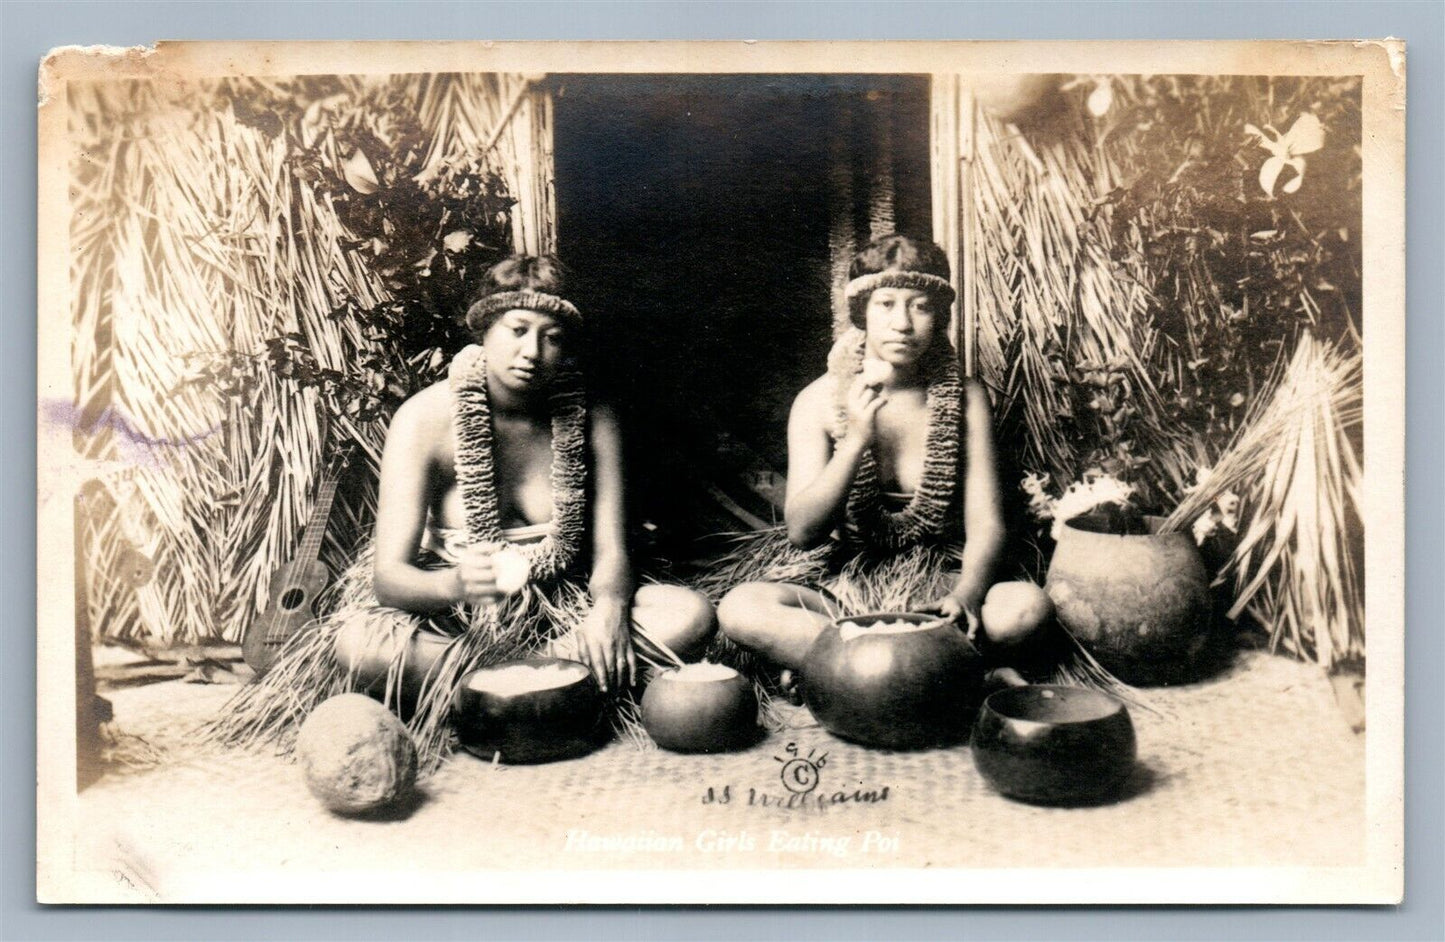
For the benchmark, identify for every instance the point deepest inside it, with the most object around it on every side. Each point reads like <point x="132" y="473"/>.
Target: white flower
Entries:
<point x="1305" y="136"/>
<point x="1225" y="513"/>
<point x="1083" y="496"/>
<point x="1096" y="489"/>
<point x="1204" y="526"/>
<point x="1201" y="478"/>
<point x="1228" y="505"/>
<point x="1041" y="503"/>
<point x="457" y="241"/>
<point x="1034" y="484"/>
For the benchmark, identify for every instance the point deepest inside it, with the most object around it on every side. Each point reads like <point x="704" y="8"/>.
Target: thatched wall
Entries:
<point x="233" y="321"/>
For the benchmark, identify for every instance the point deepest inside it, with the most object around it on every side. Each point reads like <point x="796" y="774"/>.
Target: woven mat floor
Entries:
<point x="1254" y="767"/>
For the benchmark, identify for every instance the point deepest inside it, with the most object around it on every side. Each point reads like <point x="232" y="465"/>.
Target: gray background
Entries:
<point x="28" y="29"/>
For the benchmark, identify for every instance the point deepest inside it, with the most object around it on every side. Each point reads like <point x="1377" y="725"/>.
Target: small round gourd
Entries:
<point x="700" y="708"/>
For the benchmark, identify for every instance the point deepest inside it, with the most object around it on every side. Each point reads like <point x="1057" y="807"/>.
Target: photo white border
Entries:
<point x="1380" y="880"/>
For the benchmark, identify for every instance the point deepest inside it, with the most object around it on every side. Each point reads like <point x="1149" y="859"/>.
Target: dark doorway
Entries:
<point x="697" y="211"/>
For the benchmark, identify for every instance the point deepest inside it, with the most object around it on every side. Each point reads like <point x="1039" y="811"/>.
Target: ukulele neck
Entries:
<point x="310" y="548"/>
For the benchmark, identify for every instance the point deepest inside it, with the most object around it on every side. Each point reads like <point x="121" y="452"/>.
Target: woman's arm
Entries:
<point x="402" y="501"/>
<point x="605" y="634"/>
<point x="820" y="473"/>
<point x="982" y="508"/>
<point x="611" y="568"/>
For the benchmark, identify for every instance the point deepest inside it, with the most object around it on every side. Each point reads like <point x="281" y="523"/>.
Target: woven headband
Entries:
<point x="917" y="280"/>
<point x="525" y="300"/>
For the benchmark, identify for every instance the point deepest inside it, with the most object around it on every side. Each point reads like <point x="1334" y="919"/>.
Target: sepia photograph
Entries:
<point x="721" y="473"/>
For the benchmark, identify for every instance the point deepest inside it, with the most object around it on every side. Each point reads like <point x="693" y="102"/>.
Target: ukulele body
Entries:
<point x="291" y="605"/>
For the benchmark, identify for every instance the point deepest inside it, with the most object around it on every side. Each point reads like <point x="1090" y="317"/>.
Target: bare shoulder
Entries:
<point x="975" y="395"/>
<point x="816" y="402"/>
<point x="424" y="418"/>
<point x="602" y="414"/>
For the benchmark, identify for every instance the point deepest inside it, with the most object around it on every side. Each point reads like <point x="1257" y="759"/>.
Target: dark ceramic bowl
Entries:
<point x="528" y="726"/>
<point x="1050" y="744"/>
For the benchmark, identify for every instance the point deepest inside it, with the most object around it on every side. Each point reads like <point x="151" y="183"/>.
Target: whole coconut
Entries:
<point x="1013" y="612"/>
<point x="356" y="755"/>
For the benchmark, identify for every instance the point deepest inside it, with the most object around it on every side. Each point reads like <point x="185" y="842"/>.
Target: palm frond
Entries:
<point x="196" y="239"/>
<point x="1059" y="299"/>
<point x="1299" y="563"/>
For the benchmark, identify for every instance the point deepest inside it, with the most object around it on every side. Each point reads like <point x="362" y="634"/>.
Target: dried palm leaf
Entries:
<point x="193" y="237"/>
<point x="1299" y="565"/>
<point x="1057" y="298"/>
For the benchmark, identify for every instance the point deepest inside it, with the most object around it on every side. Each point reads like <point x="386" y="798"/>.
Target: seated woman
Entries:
<point x="502" y="466"/>
<point x="890" y="462"/>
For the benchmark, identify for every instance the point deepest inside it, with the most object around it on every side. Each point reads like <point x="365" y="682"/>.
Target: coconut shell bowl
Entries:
<point x="1055" y="745"/>
<point x="538" y="709"/>
<point x="701" y="708"/>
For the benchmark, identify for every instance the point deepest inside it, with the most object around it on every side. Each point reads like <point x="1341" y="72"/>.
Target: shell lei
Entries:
<point x="476" y="469"/>
<point x="926" y="515"/>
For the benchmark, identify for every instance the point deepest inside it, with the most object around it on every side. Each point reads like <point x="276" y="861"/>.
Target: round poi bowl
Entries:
<point x="700" y="708"/>
<point x="538" y="709"/>
<point x="914" y="686"/>
<point x="1051" y="744"/>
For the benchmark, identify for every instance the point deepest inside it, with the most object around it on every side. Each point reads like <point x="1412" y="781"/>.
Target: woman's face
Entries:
<point x="524" y="350"/>
<point x="899" y="323"/>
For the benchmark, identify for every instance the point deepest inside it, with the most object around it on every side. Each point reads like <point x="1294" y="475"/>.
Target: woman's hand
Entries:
<point x="953" y="607"/>
<point x="605" y="644"/>
<point x="862" y="404"/>
<point x="477" y="578"/>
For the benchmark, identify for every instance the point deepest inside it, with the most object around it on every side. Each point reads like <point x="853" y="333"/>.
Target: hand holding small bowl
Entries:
<point x="485" y="577"/>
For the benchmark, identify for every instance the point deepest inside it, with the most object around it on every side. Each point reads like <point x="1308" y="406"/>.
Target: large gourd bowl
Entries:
<point x="914" y="688"/>
<point x="1139" y="602"/>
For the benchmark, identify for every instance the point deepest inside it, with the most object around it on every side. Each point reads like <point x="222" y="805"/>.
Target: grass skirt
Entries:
<point x="306" y="672"/>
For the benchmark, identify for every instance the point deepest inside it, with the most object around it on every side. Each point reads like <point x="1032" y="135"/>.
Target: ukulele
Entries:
<point x="295" y="586"/>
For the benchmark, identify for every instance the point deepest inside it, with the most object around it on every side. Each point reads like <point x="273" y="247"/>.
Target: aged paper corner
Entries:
<point x="1394" y="49"/>
<point x="63" y="62"/>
